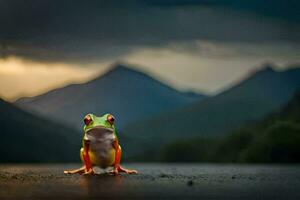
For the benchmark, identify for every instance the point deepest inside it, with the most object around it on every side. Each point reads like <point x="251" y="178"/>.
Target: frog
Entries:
<point x="100" y="146"/>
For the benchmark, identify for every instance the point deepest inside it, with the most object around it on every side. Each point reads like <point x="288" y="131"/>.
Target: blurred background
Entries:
<point x="187" y="80"/>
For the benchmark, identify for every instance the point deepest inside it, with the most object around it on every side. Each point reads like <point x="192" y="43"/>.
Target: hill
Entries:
<point x="27" y="138"/>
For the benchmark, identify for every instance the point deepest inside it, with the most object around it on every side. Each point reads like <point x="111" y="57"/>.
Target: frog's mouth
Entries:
<point x="98" y="132"/>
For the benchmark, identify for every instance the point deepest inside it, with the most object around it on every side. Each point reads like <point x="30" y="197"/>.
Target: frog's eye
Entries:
<point x="111" y="119"/>
<point x="87" y="120"/>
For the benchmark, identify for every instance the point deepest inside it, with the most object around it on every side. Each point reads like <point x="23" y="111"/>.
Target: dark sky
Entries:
<point x="96" y="29"/>
<point x="201" y="45"/>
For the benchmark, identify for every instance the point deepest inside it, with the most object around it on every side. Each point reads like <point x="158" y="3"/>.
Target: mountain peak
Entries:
<point x="121" y="69"/>
<point x="120" y="66"/>
<point x="118" y="69"/>
<point x="268" y="67"/>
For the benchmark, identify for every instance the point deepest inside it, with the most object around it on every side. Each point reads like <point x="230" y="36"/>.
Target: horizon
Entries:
<point x="157" y="76"/>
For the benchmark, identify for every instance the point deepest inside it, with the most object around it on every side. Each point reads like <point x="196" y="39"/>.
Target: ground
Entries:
<point x="154" y="181"/>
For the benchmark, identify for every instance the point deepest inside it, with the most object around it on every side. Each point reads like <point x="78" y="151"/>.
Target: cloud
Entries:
<point x="78" y="31"/>
<point x="236" y="50"/>
<point x="283" y="9"/>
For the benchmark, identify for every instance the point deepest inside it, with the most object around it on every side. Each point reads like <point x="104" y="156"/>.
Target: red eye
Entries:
<point x="111" y="119"/>
<point x="87" y="120"/>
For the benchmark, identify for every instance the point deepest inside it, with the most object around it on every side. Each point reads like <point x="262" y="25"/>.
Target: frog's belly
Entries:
<point x="102" y="159"/>
<point x="101" y="149"/>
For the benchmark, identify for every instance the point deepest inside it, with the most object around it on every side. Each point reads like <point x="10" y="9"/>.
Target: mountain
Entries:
<point x="275" y="139"/>
<point x="128" y="94"/>
<point x="261" y="93"/>
<point x="27" y="138"/>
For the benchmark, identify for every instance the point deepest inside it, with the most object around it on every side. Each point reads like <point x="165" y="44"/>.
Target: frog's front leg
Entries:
<point x="86" y="158"/>
<point x="117" y="166"/>
<point x="87" y="167"/>
<point x="81" y="170"/>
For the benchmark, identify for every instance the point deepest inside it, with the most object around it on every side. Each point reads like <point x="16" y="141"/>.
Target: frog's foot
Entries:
<point x="76" y="171"/>
<point x="127" y="171"/>
<point x="121" y="169"/>
<point x="90" y="172"/>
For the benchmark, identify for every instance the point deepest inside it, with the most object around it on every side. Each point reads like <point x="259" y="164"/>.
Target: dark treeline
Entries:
<point x="275" y="139"/>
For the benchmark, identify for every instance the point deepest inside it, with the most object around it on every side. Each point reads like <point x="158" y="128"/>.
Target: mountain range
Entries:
<point x="27" y="138"/>
<point x="261" y="93"/>
<point x="128" y="94"/>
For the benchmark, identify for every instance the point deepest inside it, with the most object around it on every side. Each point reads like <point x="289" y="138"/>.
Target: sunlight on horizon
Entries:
<point x="23" y="78"/>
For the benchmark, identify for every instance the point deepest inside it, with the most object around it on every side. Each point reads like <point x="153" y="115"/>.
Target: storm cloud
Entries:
<point x="83" y="31"/>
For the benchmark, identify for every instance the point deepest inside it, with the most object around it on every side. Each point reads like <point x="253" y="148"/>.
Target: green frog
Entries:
<point x="100" y="146"/>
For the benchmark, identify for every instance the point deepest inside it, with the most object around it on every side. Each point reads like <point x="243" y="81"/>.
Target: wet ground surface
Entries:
<point x="154" y="181"/>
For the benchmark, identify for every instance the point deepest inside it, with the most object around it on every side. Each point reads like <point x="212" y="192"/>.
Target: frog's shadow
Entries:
<point x="101" y="182"/>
